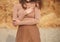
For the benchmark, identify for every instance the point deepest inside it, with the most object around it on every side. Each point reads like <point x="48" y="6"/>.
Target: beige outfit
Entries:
<point x="28" y="33"/>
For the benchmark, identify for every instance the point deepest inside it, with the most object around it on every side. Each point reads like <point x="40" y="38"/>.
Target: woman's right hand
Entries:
<point x="29" y="10"/>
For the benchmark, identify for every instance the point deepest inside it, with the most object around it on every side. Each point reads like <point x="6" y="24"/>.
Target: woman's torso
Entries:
<point x="31" y="15"/>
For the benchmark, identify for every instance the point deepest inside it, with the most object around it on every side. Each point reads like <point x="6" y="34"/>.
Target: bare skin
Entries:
<point x="22" y="13"/>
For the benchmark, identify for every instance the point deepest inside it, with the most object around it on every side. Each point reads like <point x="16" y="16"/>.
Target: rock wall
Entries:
<point x="50" y="10"/>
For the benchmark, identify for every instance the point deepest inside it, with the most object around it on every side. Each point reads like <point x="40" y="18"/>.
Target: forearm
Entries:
<point x="21" y="15"/>
<point x="28" y="22"/>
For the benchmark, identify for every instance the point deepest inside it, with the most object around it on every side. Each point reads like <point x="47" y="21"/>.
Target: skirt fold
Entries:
<point x="28" y="34"/>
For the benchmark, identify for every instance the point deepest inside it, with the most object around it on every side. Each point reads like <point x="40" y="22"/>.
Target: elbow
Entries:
<point x="36" y="21"/>
<point x="14" y="19"/>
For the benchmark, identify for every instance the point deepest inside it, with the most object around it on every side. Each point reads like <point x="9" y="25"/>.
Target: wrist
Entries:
<point x="25" y="12"/>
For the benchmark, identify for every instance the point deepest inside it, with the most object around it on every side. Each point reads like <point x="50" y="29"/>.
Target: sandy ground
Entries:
<point x="47" y="35"/>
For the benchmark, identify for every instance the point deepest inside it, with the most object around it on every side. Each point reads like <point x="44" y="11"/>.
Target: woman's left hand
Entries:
<point x="17" y="22"/>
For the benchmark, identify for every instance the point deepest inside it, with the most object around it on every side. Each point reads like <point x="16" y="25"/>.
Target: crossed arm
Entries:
<point x="25" y="21"/>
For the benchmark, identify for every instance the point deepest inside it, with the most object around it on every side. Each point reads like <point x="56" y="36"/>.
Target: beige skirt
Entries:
<point x="28" y="33"/>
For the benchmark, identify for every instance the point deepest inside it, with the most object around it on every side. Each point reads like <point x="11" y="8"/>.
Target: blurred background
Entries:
<point x="49" y="24"/>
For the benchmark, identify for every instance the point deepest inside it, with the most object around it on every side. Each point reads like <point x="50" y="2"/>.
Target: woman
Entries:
<point x="26" y="15"/>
